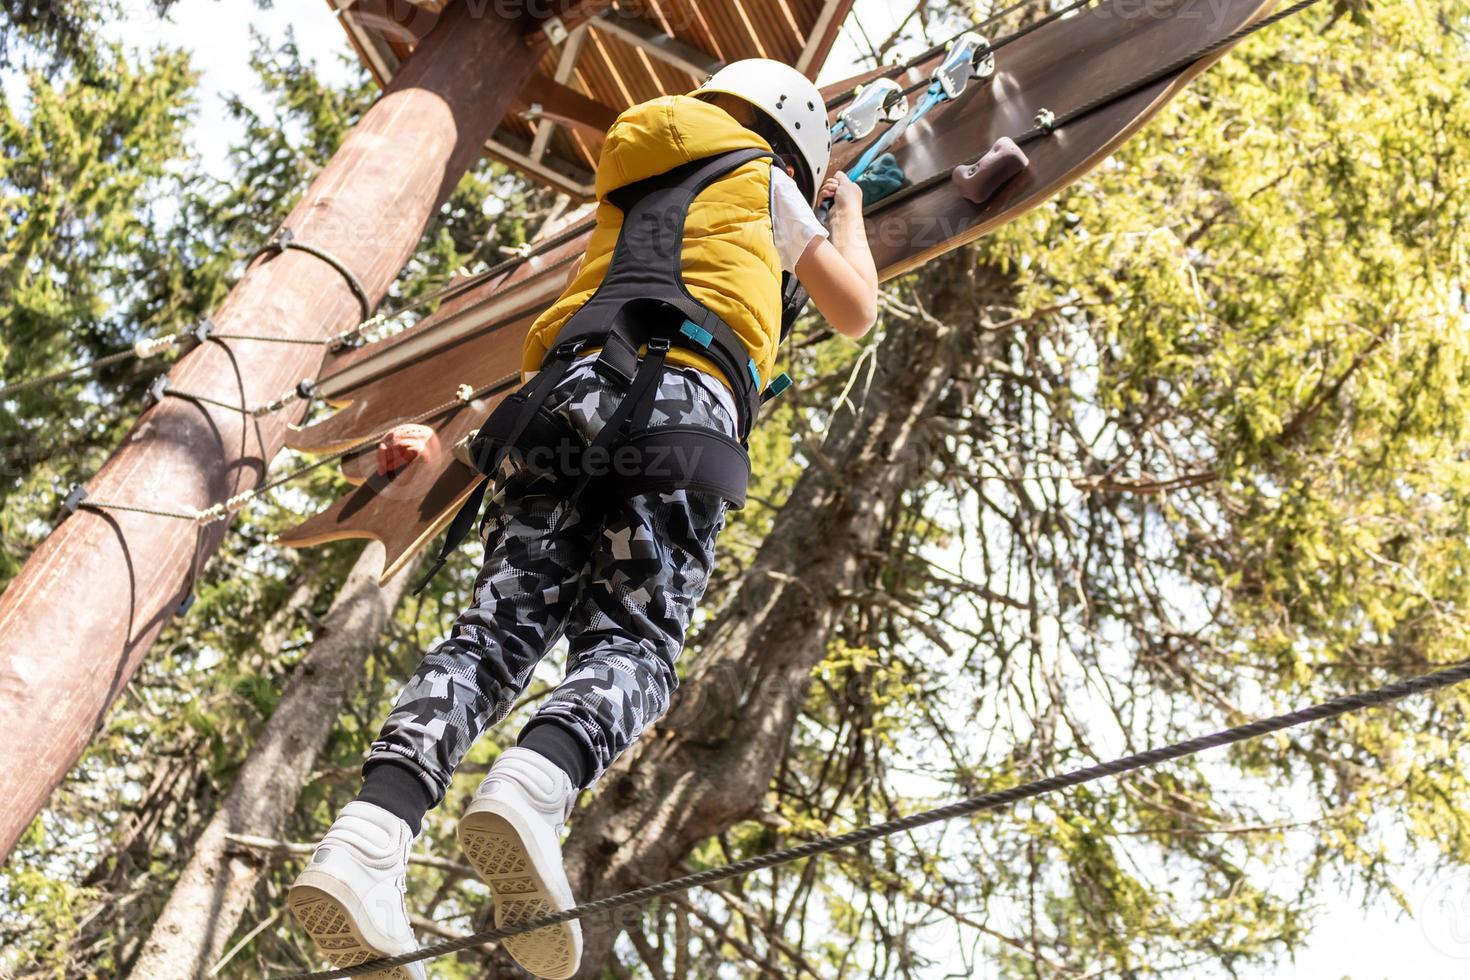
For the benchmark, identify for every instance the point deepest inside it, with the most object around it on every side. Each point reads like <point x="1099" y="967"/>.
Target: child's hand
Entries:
<point x="404" y="444"/>
<point x="844" y="193"/>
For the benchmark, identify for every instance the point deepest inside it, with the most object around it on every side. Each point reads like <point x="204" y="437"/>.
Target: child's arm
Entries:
<point x="839" y="274"/>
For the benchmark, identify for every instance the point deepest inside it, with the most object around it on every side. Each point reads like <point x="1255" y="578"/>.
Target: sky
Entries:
<point x="1376" y="943"/>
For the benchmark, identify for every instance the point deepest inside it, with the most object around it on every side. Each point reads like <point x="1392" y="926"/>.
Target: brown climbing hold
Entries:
<point x="979" y="181"/>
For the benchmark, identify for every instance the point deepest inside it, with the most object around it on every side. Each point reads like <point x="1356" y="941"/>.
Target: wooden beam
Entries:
<point x="659" y="44"/>
<point x="566" y="64"/>
<point x="376" y="54"/>
<point x="568" y="15"/>
<point x="578" y="184"/>
<point x="83" y="612"/>
<point x="819" y="41"/>
<point x="391" y="19"/>
<point x="567" y="106"/>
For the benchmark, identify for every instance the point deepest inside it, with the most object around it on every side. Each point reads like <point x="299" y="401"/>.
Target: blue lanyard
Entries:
<point x="968" y="58"/>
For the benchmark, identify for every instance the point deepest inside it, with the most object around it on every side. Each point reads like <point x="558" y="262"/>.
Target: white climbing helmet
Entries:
<point x="787" y="96"/>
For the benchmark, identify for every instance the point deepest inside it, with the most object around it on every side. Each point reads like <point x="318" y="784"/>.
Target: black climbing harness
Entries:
<point x="640" y="311"/>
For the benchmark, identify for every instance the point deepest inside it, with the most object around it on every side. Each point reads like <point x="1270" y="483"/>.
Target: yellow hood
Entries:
<point x="680" y="128"/>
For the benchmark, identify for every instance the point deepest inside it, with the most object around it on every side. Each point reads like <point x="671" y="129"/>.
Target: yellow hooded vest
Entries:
<point x="729" y="260"/>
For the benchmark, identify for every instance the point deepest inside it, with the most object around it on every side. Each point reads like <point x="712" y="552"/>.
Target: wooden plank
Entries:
<point x="578" y="184"/>
<point x="659" y="44"/>
<point x="393" y="20"/>
<point x="823" y="33"/>
<point x="566" y="64"/>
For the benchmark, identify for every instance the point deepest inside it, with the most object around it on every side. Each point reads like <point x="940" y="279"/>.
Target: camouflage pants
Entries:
<point x="621" y="581"/>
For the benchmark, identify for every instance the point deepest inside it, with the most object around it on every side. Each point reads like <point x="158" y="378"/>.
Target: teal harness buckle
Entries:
<point x="755" y="373"/>
<point x="696" y="333"/>
<point x="777" y="387"/>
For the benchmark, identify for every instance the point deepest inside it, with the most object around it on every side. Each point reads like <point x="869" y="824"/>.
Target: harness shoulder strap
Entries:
<point x="643" y="294"/>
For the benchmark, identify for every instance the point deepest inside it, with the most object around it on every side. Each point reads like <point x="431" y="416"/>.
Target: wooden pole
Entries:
<point x="77" y="620"/>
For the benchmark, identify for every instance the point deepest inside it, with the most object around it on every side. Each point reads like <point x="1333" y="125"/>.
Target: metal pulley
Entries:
<point x="968" y="57"/>
<point x="879" y="101"/>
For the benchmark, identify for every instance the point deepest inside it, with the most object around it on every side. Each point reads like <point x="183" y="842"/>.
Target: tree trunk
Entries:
<point x="84" y="610"/>
<point x="177" y="805"/>
<point x="709" y="764"/>
<point x="215" y="886"/>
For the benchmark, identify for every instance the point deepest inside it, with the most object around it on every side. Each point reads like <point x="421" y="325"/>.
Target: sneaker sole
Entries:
<point x="494" y="847"/>
<point x="331" y="927"/>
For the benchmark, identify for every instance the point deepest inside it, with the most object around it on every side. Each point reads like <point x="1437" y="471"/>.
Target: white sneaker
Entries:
<point x="350" y="898"/>
<point x="511" y="833"/>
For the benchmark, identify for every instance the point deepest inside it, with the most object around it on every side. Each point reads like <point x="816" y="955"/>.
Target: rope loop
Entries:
<point x="285" y="240"/>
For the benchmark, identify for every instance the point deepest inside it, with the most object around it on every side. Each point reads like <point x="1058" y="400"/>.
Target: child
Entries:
<point x="657" y="337"/>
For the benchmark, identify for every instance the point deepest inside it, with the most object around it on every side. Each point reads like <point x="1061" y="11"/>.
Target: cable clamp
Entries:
<point x="204" y="331"/>
<point x="222" y="511"/>
<point x="1046" y="121"/>
<point x="210" y="514"/>
<point x="306" y="389"/>
<point x="354" y="337"/>
<point x="157" y="391"/>
<point x="74" y="498"/>
<point x="465" y="393"/>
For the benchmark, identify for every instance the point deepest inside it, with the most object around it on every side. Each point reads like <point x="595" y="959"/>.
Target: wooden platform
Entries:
<point x="613" y="56"/>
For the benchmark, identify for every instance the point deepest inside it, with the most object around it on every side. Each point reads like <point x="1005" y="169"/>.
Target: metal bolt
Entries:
<point x="554" y="29"/>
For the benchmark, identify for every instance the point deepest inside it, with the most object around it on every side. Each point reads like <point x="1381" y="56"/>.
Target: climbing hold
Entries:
<point x="979" y="181"/>
<point x="882" y="178"/>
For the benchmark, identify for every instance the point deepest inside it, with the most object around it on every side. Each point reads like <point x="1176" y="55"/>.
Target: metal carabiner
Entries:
<point x="878" y="101"/>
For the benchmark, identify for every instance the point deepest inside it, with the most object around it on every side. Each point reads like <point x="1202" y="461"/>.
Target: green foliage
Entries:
<point x="83" y="169"/>
<point x="1205" y="463"/>
<point x="1209" y="466"/>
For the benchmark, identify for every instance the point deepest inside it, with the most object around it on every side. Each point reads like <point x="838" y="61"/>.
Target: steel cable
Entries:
<point x="976" y="804"/>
